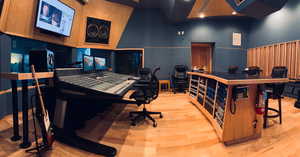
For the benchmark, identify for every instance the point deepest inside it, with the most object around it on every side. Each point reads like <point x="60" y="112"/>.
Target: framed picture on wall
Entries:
<point x="97" y="31"/>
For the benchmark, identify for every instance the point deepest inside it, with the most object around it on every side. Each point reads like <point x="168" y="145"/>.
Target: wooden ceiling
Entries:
<point x="210" y="8"/>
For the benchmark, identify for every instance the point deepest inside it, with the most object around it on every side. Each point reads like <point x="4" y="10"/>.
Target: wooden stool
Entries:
<point x="165" y="83"/>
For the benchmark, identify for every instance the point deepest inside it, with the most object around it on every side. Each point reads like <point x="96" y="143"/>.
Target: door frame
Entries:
<point x="212" y="46"/>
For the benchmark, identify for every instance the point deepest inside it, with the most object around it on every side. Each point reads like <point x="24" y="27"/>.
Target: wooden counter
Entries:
<point x="25" y="76"/>
<point x="213" y="93"/>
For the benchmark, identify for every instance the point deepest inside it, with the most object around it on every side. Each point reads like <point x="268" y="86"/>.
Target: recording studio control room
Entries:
<point x="149" y="78"/>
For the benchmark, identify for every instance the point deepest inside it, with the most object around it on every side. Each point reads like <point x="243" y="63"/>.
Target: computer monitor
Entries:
<point x="100" y="63"/>
<point x="16" y="62"/>
<point x="88" y="63"/>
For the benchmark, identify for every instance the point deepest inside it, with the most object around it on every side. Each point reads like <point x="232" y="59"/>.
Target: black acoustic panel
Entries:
<point x="97" y="31"/>
<point x="257" y="8"/>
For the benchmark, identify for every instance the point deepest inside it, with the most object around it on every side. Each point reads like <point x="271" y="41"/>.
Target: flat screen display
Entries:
<point x="55" y="16"/>
<point x="100" y="63"/>
<point x="16" y="61"/>
<point x="88" y="63"/>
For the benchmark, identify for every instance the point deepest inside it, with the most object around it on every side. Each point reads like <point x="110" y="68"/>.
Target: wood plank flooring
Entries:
<point x="183" y="131"/>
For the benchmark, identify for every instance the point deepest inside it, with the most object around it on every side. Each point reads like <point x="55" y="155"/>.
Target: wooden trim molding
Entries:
<point x="245" y="81"/>
<point x="26" y="76"/>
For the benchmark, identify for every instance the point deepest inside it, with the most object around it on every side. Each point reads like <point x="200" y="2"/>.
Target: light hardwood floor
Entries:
<point x="183" y="131"/>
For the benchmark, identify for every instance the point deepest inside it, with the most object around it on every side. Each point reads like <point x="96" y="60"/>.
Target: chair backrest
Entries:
<point x="233" y="69"/>
<point x="144" y="73"/>
<point x="154" y="84"/>
<point x="180" y="71"/>
<point x="279" y="72"/>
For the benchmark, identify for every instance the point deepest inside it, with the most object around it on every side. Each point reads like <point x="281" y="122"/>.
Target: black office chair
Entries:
<point x="252" y="71"/>
<point x="146" y="92"/>
<point x="233" y="69"/>
<point x="179" y="78"/>
<point x="274" y="91"/>
<point x="144" y="73"/>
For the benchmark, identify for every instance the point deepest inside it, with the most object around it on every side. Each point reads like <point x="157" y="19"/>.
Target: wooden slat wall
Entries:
<point x="280" y="54"/>
<point x="18" y="18"/>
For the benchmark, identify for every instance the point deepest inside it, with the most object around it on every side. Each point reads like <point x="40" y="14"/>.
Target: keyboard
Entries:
<point x="106" y="83"/>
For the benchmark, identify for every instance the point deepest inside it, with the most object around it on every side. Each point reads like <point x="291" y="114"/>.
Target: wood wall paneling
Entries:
<point x="18" y="18"/>
<point x="118" y="14"/>
<point x="280" y="54"/>
<point x="20" y="21"/>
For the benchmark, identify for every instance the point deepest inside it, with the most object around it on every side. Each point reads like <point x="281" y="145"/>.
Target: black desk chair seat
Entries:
<point x="275" y="91"/>
<point x="147" y="91"/>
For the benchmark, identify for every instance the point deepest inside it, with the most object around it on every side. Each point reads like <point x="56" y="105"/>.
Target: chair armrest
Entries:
<point x="141" y="85"/>
<point x="143" y="81"/>
<point x="134" y="78"/>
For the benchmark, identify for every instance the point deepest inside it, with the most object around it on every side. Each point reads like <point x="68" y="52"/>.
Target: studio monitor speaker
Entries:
<point x="256" y="8"/>
<point x="43" y="60"/>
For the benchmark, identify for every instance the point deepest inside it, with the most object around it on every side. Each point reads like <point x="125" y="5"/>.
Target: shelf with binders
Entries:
<point x="210" y="95"/>
<point x="193" y="86"/>
<point x="220" y="103"/>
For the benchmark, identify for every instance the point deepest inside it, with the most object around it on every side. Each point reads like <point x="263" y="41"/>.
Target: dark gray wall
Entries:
<point x="5" y="47"/>
<point x="12" y="44"/>
<point x="278" y="27"/>
<point x="163" y="47"/>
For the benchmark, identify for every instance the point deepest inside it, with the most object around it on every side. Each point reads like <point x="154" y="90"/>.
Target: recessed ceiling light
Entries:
<point x="234" y="13"/>
<point x="202" y="16"/>
<point x="187" y="0"/>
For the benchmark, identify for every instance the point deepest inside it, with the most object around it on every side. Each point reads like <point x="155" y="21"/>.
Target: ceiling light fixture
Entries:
<point x="234" y="13"/>
<point x="201" y="15"/>
<point x="187" y="0"/>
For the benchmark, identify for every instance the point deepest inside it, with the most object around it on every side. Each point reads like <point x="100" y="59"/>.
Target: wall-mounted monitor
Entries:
<point x="88" y="63"/>
<point x="100" y="63"/>
<point x="55" y="16"/>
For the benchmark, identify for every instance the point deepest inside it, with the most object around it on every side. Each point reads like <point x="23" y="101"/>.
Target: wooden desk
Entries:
<point x="23" y="77"/>
<point x="213" y="93"/>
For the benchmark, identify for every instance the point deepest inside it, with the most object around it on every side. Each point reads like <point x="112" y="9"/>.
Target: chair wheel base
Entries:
<point x="133" y="124"/>
<point x="15" y="138"/>
<point x="154" y="124"/>
<point x="25" y="145"/>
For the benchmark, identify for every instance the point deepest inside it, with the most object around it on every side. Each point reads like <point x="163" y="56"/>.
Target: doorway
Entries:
<point x="202" y="56"/>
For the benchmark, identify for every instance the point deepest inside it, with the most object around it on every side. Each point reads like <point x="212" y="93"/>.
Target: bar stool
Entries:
<point x="164" y="83"/>
<point x="275" y="91"/>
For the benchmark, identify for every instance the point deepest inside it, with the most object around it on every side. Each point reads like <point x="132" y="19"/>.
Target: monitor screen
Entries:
<point x="88" y="63"/>
<point x="55" y="16"/>
<point x="100" y="63"/>
<point x="16" y="62"/>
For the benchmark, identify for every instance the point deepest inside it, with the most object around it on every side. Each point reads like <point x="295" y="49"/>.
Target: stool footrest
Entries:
<point x="273" y="116"/>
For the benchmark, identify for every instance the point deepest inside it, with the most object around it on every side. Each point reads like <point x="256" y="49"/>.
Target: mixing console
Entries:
<point x="107" y="82"/>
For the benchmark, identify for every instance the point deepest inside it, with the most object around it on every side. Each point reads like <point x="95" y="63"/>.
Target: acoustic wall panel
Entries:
<point x="280" y="54"/>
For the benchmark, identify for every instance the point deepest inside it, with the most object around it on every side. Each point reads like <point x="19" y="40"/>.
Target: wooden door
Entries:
<point x="202" y="56"/>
